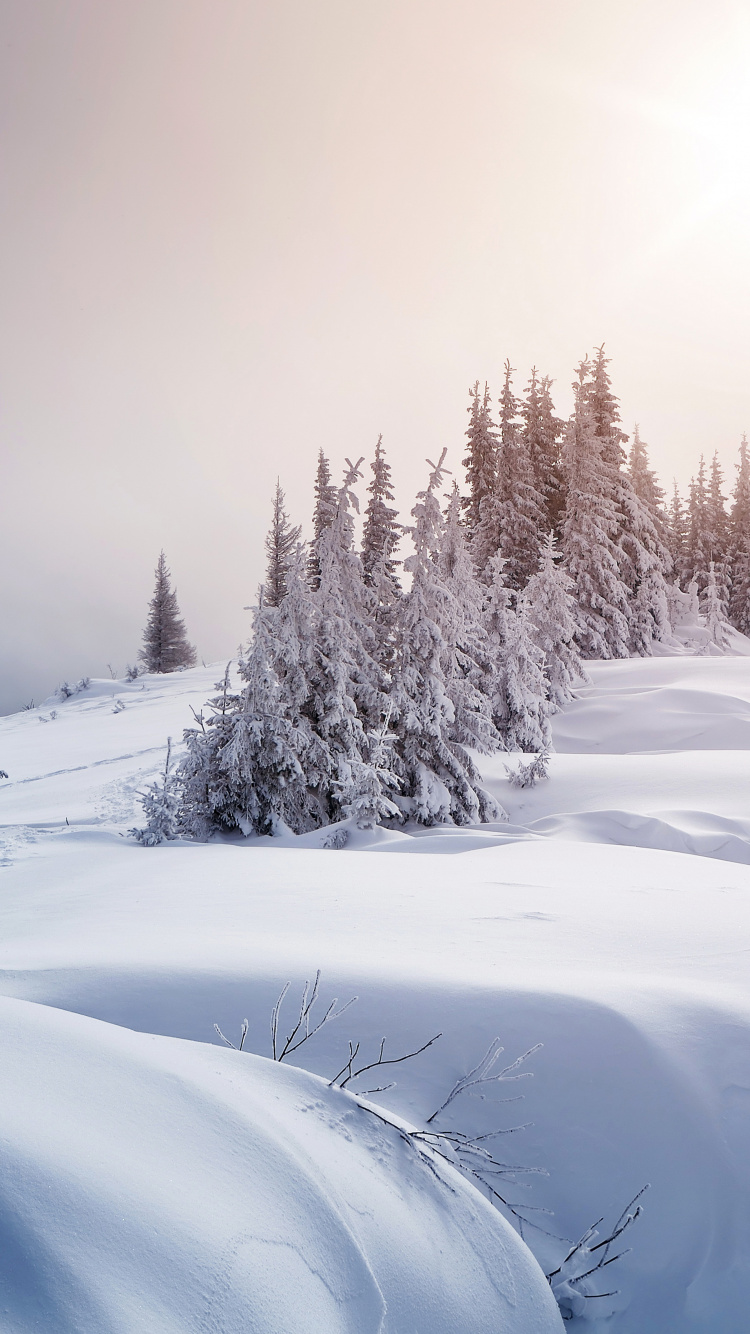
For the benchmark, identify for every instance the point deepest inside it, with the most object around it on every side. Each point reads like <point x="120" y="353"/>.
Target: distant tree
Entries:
<point x="481" y="456"/>
<point x="719" y="530"/>
<point x="698" y="535"/>
<point x="165" y="643"/>
<point x="739" y="603"/>
<point x="281" y="543"/>
<point x="323" y="515"/>
<point x="644" y="480"/>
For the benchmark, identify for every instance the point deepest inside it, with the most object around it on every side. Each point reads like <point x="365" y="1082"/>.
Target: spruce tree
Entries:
<point x="714" y="609"/>
<point x="522" y="508"/>
<point x="719" y="530"/>
<point x="739" y="603"/>
<point x="542" y="432"/>
<point x="516" y="685"/>
<point x="644" y="479"/>
<point x="165" y="643"/>
<point x="592" y="528"/>
<point x="439" y="781"/>
<point x="481" y="456"/>
<point x="698" y="542"/>
<point x="550" y="607"/>
<point x="281" y="543"/>
<point x="381" y="533"/>
<point x="677" y="536"/>
<point x="323" y="514"/>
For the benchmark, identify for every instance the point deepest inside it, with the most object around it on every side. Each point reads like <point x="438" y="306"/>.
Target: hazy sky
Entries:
<point x="236" y="230"/>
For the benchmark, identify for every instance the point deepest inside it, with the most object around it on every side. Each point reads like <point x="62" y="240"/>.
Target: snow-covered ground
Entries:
<point x="160" y="1184"/>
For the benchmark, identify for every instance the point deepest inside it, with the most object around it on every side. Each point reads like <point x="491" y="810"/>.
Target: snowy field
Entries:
<point x="155" y="1183"/>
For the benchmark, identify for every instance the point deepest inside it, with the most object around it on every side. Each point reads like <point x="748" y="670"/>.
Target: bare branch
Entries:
<point x="482" y="1073"/>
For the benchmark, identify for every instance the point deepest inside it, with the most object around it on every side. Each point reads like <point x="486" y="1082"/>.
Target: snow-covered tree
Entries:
<point x="698" y="537"/>
<point x="739" y="604"/>
<point x="518" y="689"/>
<point x="281" y="543"/>
<point x="325" y="508"/>
<point x="381" y="535"/>
<point x="542" y="433"/>
<point x="677" y="535"/>
<point x="644" y="480"/>
<point x="522" y="508"/>
<point x="714" y="610"/>
<point x="719" y="530"/>
<point x="592" y="529"/>
<point x="481" y="456"/>
<point x="439" y="781"/>
<point x="550" y="608"/>
<point x="165" y="643"/>
<point x="161" y="806"/>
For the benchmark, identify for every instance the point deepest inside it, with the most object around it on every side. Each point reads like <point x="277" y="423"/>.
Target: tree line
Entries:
<point x="361" y="698"/>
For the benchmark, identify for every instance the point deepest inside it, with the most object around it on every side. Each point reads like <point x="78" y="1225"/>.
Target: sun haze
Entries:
<point x="235" y="233"/>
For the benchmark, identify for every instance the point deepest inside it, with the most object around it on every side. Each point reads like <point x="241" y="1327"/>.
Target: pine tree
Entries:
<point x="522" y="509"/>
<point x="644" y="480"/>
<point x="381" y="533"/>
<point x="481" y="456"/>
<point x="714" y="609"/>
<point x="542" y="432"/>
<point x="165" y="644"/>
<point x="281" y="542"/>
<point x="439" y="781"/>
<point x="516" y="685"/>
<point x="592" y="529"/>
<point x="677" y="536"/>
<point x="719" y="530"/>
<point x="739" y="604"/>
<point x="698" y="543"/>
<point x="161" y="806"/>
<point x="550" y="607"/>
<point x="323" y="513"/>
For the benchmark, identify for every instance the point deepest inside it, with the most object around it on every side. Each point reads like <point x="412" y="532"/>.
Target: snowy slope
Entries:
<point x="156" y="1185"/>
<point x="630" y="963"/>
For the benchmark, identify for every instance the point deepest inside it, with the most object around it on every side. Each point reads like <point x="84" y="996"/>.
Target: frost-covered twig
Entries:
<point x="294" y="1041"/>
<point x="243" y="1035"/>
<point x="351" y="1073"/>
<point x="481" y="1074"/>
<point x="576" y="1269"/>
<point x="528" y="775"/>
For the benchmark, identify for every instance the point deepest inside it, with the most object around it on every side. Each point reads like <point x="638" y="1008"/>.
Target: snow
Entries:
<point x="136" y="1160"/>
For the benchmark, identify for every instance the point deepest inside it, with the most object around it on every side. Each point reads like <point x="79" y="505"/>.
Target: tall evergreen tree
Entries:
<point x="542" y="433"/>
<point x="550" y="607"/>
<point x="281" y="543"/>
<point x="481" y="456"/>
<point x="165" y="643"/>
<point x="719" y="530"/>
<point x="644" y="480"/>
<point x="677" y="536"/>
<point x="515" y="684"/>
<point x="381" y="533"/>
<point x="522" y="510"/>
<point x="592" y="527"/>
<point x="739" y="604"/>
<point x="439" y="781"/>
<point x="698" y="543"/>
<point x="323" y="514"/>
<point x="714" y="609"/>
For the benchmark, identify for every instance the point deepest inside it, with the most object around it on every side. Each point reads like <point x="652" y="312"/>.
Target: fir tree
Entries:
<point x="718" y="530"/>
<point x="481" y="456"/>
<point x="281" y="542"/>
<point x="714" y="610"/>
<point x="381" y="533"/>
<point x="165" y="644"/>
<point x="542" y="432"/>
<point x="162" y="807"/>
<point x="323" y="514"/>
<point x="439" y="781"/>
<point x="522" y="509"/>
<point x="677" y="535"/>
<point x="644" y="479"/>
<point x="592" y="529"/>
<point x="698" y="543"/>
<point x="516" y="684"/>
<point x="739" y="604"/>
<point x="550" y="608"/>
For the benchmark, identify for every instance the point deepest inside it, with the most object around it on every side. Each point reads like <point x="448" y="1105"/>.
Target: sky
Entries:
<point x="233" y="232"/>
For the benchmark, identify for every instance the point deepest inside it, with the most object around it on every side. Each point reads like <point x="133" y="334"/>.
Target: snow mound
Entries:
<point x="654" y="704"/>
<point x="163" y="1186"/>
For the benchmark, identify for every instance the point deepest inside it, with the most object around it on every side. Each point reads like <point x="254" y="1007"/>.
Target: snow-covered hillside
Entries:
<point x="580" y="923"/>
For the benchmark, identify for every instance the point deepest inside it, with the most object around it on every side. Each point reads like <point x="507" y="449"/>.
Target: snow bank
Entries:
<point x="155" y="1185"/>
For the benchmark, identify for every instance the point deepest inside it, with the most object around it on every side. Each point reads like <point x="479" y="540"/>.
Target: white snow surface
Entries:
<point x="159" y="1182"/>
